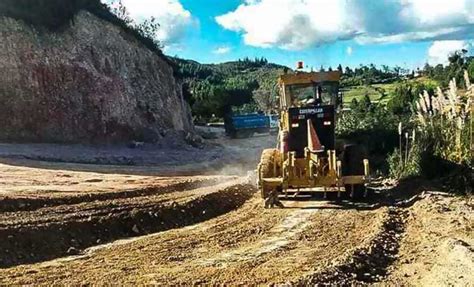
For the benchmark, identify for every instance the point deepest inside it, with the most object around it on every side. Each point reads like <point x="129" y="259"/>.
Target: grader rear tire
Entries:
<point x="353" y="158"/>
<point x="268" y="165"/>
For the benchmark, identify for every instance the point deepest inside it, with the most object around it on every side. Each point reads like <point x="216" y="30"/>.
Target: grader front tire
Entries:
<point x="268" y="165"/>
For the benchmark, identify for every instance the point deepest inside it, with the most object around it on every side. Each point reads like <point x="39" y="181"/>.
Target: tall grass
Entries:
<point x="443" y="128"/>
<point x="406" y="159"/>
<point x="445" y="122"/>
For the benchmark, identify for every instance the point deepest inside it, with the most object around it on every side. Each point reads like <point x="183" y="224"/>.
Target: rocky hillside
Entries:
<point x="89" y="81"/>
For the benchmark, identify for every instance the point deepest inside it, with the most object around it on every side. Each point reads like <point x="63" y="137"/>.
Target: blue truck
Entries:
<point x="241" y="126"/>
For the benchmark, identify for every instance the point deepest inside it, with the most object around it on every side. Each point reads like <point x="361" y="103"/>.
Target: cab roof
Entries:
<point x="300" y="78"/>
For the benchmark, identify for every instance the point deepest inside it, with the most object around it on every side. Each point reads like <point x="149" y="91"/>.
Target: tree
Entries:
<point x="119" y="9"/>
<point x="457" y="58"/>
<point x="405" y="96"/>
<point x="266" y="96"/>
<point x="339" y="68"/>
<point x="397" y="70"/>
<point x="233" y="86"/>
<point x="428" y="70"/>
<point x="458" y="62"/>
<point x="265" y="100"/>
<point x="147" y="28"/>
<point x="348" y="71"/>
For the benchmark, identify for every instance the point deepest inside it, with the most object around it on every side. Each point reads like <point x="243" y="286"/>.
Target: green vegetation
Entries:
<point x="372" y="125"/>
<point x="444" y="123"/>
<point x="441" y="140"/>
<point x="458" y="63"/>
<point x="367" y="75"/>
<point x="470" y="68"/>
<point x="216" y="90"/>
<point x="250" y="85"/>
<point x="441" y="126"/>
<point x="376" y="110"/>
<point x="358" y="93"/>
<point x="385" y="93"/>
<point x="404" y="96"/>
<point x="405" y="161"/>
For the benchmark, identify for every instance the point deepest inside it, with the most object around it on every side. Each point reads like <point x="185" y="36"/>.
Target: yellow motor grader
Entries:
<point x="306" y="160"/>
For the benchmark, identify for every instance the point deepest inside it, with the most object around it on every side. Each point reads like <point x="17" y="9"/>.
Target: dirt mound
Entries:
<point x="36" y="201"/>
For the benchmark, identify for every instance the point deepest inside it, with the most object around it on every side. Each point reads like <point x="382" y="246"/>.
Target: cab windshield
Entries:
<point x="311" y="95"/>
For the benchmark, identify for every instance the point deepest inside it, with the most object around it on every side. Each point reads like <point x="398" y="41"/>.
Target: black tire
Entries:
<point x="353" y="164"/>
<point x="353" y="160"/>
<point x="243" y="134"/>
<point x="232" y="134"/>
<point x="268" y="161"/>
<point x="332" y="196"/>
<point x="358" y="194"/>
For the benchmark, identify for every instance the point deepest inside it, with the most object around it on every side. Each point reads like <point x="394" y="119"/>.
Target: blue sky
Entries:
<point x="407" y="33"/>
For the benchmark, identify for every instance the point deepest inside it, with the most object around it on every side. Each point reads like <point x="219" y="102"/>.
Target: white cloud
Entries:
<point x="222" y="50"/>
<point x="298" y="24"/>
<point x="439" y="51"/>
<point x="349" y="51"/>
<point x="173" y="18"/>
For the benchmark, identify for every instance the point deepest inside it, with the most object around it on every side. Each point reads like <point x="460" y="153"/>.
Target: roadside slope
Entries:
<point x="90" y="81"/>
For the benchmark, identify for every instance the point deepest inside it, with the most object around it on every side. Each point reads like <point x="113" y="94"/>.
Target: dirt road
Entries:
<point x="249" y="245"/>
<point x="62" y="226"/>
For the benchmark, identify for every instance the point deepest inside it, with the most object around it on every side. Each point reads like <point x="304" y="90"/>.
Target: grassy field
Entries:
<point x="378" y="92"/>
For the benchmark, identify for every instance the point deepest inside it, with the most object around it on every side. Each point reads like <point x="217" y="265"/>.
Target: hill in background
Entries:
<point x="214" y="89"/>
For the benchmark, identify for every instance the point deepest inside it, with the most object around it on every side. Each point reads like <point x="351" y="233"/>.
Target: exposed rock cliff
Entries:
<point x="88" y="82"/>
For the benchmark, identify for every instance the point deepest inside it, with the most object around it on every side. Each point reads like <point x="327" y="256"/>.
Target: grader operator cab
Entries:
<point x="306" y="160"/>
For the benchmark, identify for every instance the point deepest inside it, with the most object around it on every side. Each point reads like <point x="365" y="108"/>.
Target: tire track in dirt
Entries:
<point x="437" y="248"/>
<point x="279" y="236"/>
<point x="367" y="263"/>
<point x="52" y="232"/>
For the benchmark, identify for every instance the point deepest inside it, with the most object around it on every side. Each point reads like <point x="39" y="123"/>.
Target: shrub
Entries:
<point x="369" y="124"/>
<point x="405" y="160"/>
<point x="444" y="145"/>
<point x="405" y="95"/>
<point x="470" y="70"/>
